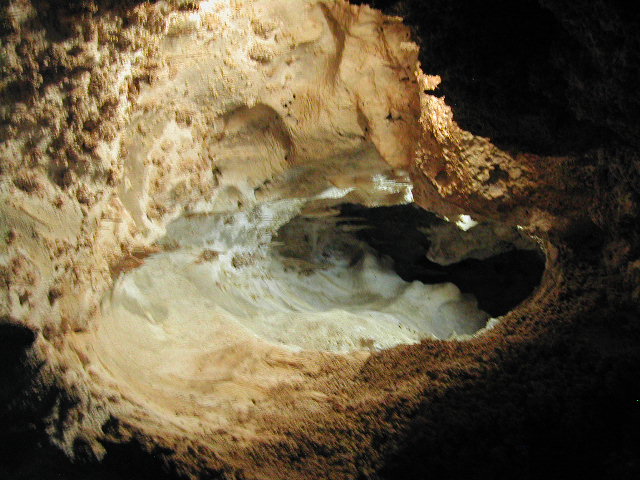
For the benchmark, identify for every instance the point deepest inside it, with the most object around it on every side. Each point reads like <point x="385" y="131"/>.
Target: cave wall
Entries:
<point x="533" y="121"/>
<point x="514" y="80"/>
<point x="545" y="87"/>
<point x="537" y="76"/>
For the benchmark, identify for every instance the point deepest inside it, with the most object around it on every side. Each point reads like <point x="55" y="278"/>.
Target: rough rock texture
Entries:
<point x="541" y="76"/>
<point x="114" y="123"/>
<point x="498" y="265"/>
<point x="518" y="82"/>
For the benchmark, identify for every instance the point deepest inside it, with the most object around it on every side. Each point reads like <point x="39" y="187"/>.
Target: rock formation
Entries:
<point x="170" y="169"/>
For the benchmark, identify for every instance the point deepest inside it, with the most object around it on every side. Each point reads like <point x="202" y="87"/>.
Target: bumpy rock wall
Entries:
<point x="114" y="122"/>
<point x="532" y="120"/>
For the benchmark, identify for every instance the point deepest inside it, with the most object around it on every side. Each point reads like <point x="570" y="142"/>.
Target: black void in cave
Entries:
<point x="500" y="282"/>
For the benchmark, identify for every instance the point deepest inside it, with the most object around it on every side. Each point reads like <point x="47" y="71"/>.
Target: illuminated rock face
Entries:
<point x="255" y="112"/>
<point x="327" y="292"/>
<point x="170" y="173"/>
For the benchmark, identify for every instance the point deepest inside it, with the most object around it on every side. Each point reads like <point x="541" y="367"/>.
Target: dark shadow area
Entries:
<point x="26" y="454"/>
<point x="29" y="456"/>
<point x="500" y="283"/>
<point x="561" y="406"/>
<point x="548" y="77"/>
<point x="25" y="450"/>
<point x="15" y="342"/>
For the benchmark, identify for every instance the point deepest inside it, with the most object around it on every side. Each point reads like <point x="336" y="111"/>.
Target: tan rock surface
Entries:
<point x="118" y="120"/>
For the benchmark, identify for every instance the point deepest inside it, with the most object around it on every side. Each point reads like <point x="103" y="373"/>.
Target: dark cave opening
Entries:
<point x="550" y="77"/>
<point x="500" y="282"/>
